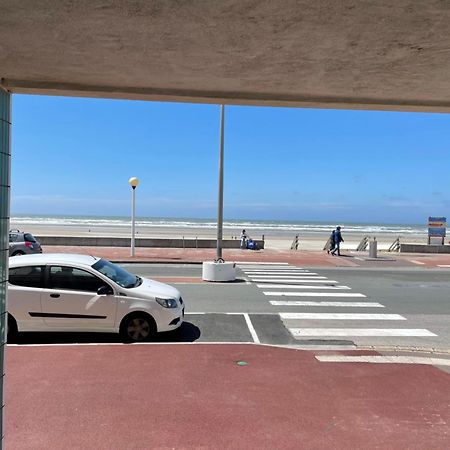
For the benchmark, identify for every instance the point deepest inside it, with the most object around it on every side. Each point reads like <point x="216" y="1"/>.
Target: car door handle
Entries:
<point x="55" y="295"/>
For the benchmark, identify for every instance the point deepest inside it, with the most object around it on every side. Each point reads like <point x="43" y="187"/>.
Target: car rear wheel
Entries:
<point x="18" y="253"/>
<point x="137" y="327"/>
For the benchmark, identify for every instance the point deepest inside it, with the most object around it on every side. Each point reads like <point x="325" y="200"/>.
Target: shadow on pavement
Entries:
<point x="188" y="332"/>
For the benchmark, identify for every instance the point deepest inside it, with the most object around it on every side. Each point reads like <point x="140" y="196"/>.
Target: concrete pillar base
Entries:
<point x="373" y="249"/>
<point x="219" y="271"/>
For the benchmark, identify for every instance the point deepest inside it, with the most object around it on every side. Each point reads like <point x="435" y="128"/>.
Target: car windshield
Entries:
<point x="117" y="274"/>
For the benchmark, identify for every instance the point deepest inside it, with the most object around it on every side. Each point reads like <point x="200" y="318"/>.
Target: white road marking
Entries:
<point x="311" y="347"/>
<point x="358" y="258"/>
<point x="417" y="262"/>
<point x="289" y="281"/>
<point x="296" y="286"/>
<point x="278" y="272"/>
<point x="337" y="304"/>
<point x="257" y="263"/>
<point x="251" y="328"/>
<point x="373" y="332"/>
<point x="443" y="265"/>
<point x="313" y="294"/>
<point x="379" y="359"/>
<point x="283" y="277"/>
<point x="340" y="316"/>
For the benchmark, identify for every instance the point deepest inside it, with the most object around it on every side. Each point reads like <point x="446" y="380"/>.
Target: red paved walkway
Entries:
<point x="299" y="258"/>
<point x="198" y="397"/>
<point x="200" y="255"/>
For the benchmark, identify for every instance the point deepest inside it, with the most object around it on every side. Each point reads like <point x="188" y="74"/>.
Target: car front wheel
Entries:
<point x="137" y="327"/>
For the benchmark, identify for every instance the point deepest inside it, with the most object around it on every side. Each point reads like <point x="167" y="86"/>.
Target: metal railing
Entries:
<point x="395" y="246"/>
<point x="362" y="246"/>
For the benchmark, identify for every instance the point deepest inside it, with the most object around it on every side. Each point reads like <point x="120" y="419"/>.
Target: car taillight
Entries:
<point x="28" y="245"/>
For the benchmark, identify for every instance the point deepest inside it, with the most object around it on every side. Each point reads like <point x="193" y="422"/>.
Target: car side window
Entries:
<point x="27" y="237"/>
<point x="29" y="276"/>
<point x="13" y="237"/>
<point x="71" y="278"/>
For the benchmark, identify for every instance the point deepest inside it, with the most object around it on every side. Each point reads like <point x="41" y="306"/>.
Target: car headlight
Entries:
<point x="167" y="302"/>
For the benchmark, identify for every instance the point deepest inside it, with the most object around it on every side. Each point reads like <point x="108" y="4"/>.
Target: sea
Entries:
<point x="273" y="227"/>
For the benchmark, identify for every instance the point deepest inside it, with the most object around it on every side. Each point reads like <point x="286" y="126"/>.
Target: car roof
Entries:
<point x="52" y="258"/>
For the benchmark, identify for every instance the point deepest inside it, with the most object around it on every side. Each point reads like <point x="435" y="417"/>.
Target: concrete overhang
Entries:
<point x="359" y="54"/>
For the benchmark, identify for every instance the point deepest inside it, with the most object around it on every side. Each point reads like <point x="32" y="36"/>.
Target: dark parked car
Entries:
<point x="21" y="243"/>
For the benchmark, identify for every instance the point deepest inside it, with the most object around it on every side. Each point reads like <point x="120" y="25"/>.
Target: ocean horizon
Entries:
<point x="290" y="226"/>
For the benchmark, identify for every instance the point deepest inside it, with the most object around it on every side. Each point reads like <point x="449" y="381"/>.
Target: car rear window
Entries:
<point x="13" y="237"/>
<point x="29" y="237"/>
<point x="29" y="276"/>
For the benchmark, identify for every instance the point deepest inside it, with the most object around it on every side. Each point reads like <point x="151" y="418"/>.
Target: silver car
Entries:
<point x="21" y="243"/>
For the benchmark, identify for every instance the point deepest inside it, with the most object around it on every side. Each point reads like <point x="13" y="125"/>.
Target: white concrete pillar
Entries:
<point x="5" y="182"/>
<point x="373" y="248"/>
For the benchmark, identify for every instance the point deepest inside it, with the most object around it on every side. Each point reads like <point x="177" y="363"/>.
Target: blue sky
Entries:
<point x="75" y="156"/>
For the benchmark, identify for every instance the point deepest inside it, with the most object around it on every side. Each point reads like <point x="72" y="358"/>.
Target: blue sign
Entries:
<point x="437" y="226"/>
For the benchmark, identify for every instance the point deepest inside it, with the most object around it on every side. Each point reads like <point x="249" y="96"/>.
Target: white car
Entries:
<point x="68" y="292"/>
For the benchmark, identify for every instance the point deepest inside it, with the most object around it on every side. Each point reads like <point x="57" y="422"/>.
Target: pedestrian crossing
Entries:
<point x="318" y="303"/>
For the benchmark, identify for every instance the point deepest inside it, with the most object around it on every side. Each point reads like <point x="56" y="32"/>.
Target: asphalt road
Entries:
<point x="306" y="307"/>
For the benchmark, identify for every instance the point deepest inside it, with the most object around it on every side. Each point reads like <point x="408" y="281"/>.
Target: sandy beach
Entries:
<point x="277" y="240"/>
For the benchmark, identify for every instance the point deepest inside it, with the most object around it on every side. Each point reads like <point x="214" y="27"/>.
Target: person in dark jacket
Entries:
<point x="337" y="238"/>
<point x="244" y="239"/>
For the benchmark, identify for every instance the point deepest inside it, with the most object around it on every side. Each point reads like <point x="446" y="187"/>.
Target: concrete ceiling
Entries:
<point x="373" y="54"/>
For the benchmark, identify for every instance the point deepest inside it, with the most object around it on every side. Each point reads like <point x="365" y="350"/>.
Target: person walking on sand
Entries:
<point x="337" y="239"/>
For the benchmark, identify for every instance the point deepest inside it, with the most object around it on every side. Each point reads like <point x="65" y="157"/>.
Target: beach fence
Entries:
<point x="362" y="246"/>
<point x="395" y="246"/>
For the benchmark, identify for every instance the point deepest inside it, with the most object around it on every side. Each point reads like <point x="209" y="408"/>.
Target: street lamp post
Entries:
<point x="220" y="196"/>
<point x="133" y="183"/>
<point x="219" y="270"/>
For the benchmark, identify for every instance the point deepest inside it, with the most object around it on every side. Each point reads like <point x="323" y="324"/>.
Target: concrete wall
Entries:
<point x="423" y="248"/>
<point x="140" y="242"/>
<point x="381" y="54"/>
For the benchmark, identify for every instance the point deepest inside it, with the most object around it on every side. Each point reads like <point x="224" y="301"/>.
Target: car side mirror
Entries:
<point x="104" y="290"/>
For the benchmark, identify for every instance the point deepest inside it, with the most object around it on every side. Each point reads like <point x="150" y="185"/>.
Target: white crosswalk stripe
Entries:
<point x="299" y="286"/>
<point x="288" y="277"/>
<point x="263" y="265"/>
<point x="314" y="294"/>
<point x="289" y="281"/>
<point x="324" y="303"/>
<point x="354" y="332"/>
<point x="340" y="316"/>
<point x="308" y="280"/>
<point x="278" y="272"/>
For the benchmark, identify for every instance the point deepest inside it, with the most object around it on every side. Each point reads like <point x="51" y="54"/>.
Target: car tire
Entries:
<point x="18" y="253"/>
<point x="12" y="329"/>
<point x="137" y="327"/>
